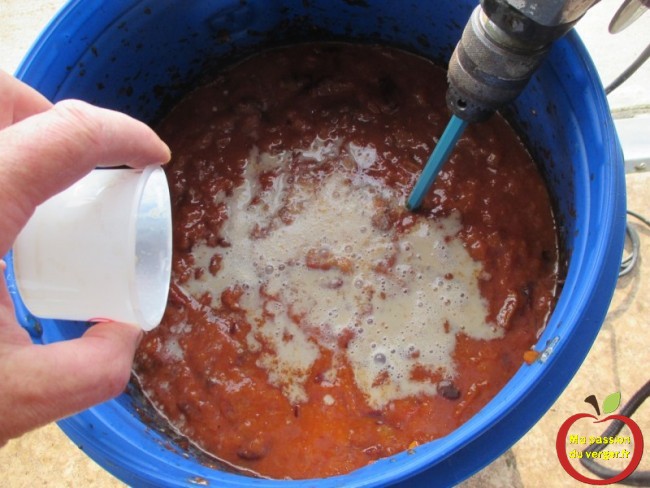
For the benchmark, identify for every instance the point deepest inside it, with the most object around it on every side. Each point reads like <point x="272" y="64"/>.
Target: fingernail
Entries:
<point x="169" y="152"/>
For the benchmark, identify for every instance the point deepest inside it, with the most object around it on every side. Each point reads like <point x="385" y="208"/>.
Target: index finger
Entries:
<point x="18" y="100"/>
<point x="44" y="154"/>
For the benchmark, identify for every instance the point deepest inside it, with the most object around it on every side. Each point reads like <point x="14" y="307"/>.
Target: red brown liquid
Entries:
<point x="292" y="345"/>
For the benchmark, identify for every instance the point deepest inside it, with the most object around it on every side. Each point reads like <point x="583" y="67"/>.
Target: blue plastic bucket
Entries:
<point x="139" y="57"/>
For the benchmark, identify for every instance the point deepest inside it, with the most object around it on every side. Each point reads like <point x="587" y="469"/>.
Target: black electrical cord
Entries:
<point x="637" y="478"/>
<point x="636" y="64"/>
<point x="629" y="262"/>
<point x="643" y="219"/>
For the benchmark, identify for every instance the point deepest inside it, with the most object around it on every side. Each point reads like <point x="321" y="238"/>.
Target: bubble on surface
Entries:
<point x="389" y="311"/>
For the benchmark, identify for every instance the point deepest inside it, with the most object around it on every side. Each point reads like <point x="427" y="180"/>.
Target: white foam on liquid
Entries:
<point x="406" y="318"/>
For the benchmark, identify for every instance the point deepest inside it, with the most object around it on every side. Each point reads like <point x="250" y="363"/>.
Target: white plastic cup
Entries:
<point x="100" y="250"/>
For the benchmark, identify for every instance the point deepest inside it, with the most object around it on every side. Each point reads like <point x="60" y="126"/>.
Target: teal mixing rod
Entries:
<point x="502" y="45"/>
<point x="438" y="157"/>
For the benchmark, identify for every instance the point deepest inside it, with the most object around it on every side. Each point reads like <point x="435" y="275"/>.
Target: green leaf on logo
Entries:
<point x="612" y="402"/>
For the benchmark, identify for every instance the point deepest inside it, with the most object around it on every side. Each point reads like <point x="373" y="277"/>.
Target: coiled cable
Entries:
<point x="629" y="262"/>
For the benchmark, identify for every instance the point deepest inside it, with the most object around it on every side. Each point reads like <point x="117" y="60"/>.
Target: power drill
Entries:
<point x="503" y="44"/>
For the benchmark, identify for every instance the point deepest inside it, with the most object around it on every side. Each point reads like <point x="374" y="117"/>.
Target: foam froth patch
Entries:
<point x="320" y="269"/>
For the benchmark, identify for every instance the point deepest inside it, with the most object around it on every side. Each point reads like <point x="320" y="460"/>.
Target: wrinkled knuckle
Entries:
<point x="72" y="110"/>
<point x="79" y="121"/>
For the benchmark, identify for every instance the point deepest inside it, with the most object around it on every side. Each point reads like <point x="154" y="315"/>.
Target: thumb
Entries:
<point x="42" y="384"/>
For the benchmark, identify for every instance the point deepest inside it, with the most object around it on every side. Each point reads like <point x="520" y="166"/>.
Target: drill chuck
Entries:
<point x="499" y="51"/>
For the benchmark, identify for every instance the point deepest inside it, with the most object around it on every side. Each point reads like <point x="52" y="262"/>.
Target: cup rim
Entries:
<point x="148" y="317"/>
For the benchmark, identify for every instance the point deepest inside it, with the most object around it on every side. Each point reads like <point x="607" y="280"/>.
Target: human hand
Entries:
<point x="44" y="148"/>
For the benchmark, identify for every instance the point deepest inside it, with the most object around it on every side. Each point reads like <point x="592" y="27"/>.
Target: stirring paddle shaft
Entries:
<point x="438" y="157"/>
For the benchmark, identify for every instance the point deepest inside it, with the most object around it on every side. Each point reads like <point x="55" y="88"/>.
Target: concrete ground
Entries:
<point x="617" y="361"/>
